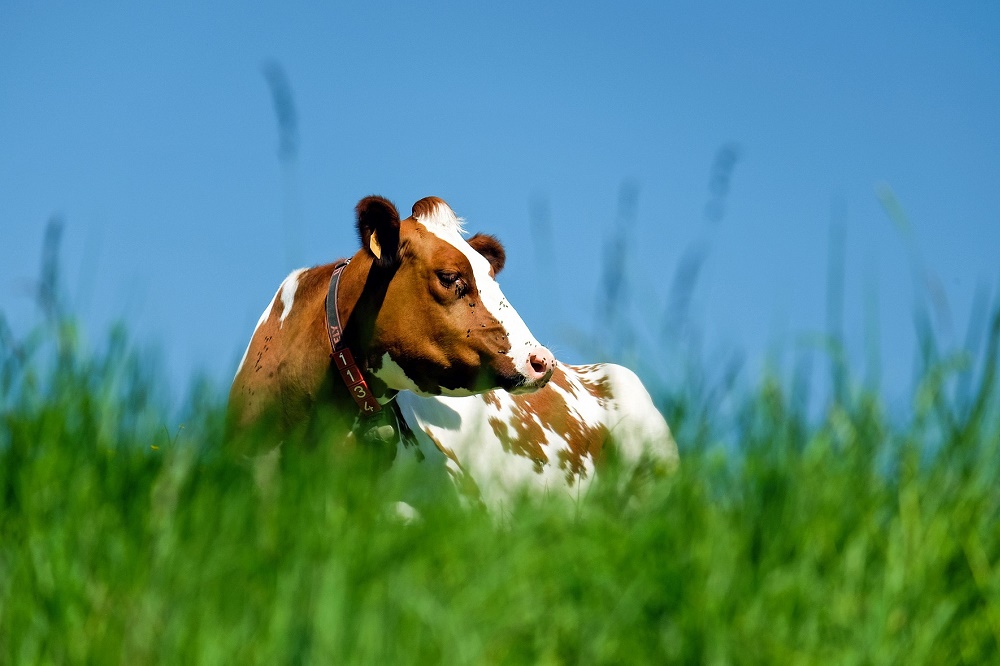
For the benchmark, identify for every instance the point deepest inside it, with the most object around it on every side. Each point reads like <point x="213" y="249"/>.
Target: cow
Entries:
<point x="410" y="347"/>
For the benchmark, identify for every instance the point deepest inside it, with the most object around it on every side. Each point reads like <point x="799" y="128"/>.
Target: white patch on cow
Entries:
<point x="287" y="290"/>
<point x="395" y="378"/>
<point x="444" y="224"/>
<point x="260" y="321"/>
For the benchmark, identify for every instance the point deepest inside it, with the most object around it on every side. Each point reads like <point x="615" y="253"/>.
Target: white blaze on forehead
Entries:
<point x="444" y="224"/>
<point x="444" y="219"/>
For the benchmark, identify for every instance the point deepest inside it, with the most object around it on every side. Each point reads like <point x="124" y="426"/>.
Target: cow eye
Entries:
<point x="453" y="281"/>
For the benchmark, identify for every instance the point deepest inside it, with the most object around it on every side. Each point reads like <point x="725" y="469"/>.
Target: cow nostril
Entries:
<point x="540" y="365"/>
<point x="540" y="362"/>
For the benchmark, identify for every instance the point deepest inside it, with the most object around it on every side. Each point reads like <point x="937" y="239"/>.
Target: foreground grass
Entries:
<point x="850" y="540"/>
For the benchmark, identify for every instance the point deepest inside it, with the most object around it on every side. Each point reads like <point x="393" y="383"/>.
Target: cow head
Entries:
<point x="441" y="325"/>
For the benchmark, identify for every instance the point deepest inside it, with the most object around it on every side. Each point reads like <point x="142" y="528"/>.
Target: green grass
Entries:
<point x="845" y="539"/>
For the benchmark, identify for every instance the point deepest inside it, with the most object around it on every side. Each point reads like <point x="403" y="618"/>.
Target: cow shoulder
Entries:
<point x="638" y="427"/>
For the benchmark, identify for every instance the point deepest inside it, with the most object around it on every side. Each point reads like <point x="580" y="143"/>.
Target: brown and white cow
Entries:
<point x="430" y="328"/>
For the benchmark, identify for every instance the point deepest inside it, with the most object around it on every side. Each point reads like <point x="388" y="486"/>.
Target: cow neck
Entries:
<point x="375" y="424"/>
<point x="343" y="330"/>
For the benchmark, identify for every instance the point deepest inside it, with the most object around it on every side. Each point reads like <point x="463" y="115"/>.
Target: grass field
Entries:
<point x="849" y="538"/>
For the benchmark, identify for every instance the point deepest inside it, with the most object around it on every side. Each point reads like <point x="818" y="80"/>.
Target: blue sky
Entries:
<point x="152" y="132"/>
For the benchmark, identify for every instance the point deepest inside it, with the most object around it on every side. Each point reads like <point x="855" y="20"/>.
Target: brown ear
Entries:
<point x="489" y="247"/>
<point x="378" y="229"/>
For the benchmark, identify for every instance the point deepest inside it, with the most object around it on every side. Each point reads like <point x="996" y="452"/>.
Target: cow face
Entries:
<point x="444" y="327"/>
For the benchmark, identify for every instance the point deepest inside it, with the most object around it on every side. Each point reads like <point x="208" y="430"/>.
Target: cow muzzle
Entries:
<point x="537" y="370"/>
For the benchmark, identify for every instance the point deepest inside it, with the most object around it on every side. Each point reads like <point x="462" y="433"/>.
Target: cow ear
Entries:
<point x="378" y="229"/>
<point x="492" y="249"/>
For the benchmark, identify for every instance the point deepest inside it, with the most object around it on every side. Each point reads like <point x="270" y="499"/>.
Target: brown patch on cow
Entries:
<point x="584" y="440"/>
<point x="600" y="389"/>
<point x="560" y="379"/>
<point x="491" y="399"/>
<point x="544" y="411"/>
<point x="441" y="447"/>
<point x="526" y="439"/>
<point x="465" y="484"/>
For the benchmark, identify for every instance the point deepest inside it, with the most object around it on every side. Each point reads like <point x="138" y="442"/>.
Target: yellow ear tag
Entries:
<point x="375" y="247"/>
